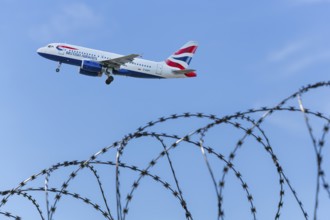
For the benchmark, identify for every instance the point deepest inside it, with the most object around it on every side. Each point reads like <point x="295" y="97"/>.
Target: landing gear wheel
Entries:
<point x="58" y="67"/>
<point x="109" y="80"/>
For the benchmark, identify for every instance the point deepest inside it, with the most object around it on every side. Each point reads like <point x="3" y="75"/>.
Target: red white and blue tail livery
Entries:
<point x="96" y="63"/>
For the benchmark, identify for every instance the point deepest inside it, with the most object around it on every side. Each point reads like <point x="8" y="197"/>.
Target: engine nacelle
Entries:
<point x="90" y="68"/>
<point x="89" y="73"/>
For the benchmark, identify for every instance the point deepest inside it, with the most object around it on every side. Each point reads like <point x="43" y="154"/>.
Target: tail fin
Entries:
<point x="182" y="58"/>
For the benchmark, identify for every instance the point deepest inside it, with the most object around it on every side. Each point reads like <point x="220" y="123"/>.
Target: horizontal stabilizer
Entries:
<point x="184" y="71"/>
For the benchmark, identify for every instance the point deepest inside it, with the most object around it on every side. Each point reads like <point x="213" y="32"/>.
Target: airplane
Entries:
<point x="96" y="62"/>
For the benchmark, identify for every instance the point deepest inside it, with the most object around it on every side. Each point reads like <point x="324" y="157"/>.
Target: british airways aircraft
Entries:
<point x="95" y="62"/>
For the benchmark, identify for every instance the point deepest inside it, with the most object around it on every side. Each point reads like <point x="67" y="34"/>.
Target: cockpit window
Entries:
<point x="50" y="46"/>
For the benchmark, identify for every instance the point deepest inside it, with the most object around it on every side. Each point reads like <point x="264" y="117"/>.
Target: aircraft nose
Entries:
<point x="41" y="50"/>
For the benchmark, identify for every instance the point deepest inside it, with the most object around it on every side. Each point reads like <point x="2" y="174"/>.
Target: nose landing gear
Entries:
<point x="58" y="67"/>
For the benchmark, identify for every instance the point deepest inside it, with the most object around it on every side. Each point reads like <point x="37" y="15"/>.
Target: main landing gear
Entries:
<point x="58" y="67"/>
<point x="110" y="78"/>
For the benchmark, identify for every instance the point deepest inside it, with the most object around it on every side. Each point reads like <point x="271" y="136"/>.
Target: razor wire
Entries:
<point x="116" y="206"/>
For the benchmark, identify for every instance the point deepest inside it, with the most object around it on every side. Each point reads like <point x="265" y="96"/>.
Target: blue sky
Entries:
<point x="250" y="54"/>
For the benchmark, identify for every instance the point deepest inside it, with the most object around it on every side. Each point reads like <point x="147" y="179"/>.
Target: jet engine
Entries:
<point x="90" y="68"/>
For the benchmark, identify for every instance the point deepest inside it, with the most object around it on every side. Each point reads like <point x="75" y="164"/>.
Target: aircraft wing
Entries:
<point x="117" y="62"/>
